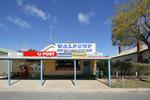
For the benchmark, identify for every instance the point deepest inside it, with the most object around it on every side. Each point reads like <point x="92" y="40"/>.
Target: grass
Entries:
<point x="117" y="83"/>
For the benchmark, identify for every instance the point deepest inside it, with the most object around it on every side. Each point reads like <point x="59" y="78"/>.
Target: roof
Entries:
<point x="130" y="51"/>
<point x="54" y="58"/>
<point x="48" y="47"/>
<point x="7" y="50"/>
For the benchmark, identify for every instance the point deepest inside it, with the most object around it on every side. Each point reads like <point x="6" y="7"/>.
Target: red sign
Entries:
<point x="40" y="53"/>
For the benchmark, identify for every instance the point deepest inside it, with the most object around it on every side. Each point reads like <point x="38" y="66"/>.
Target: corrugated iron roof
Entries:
<point x="129" y="51"/>
<point x="7" y="50"/>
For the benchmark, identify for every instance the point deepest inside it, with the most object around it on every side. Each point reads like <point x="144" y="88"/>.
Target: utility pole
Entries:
<point x="50" y="33"/>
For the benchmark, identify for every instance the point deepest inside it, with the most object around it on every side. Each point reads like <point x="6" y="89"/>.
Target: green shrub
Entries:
<point x="124" y="67"/>
<point x="142" y="68"/>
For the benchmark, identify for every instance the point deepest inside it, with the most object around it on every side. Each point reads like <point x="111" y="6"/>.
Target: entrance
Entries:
<point x="86" y="67"/>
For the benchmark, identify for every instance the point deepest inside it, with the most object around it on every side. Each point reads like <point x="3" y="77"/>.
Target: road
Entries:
<point x="72" y="96"/>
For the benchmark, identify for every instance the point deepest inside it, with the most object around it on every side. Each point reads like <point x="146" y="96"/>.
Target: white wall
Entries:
<point x="3" y="64"/>
<point x="145" y="55"/>
<point x="133" y="58"/>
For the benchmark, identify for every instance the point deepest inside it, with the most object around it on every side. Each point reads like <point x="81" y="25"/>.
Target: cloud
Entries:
<point x="55" y="1"/>
<point x="85" y="18"/>
<point x="108" y="21"/>
<point x="19" y="22"/>
<point x="3" y="26"/>
<point x="33" y="10"/>
<point x="19" y="2"/>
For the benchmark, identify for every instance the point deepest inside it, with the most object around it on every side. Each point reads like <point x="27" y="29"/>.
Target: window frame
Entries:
<point x="61" y="69"/>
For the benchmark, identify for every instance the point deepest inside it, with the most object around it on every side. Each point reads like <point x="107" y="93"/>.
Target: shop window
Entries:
<point x="67" y="65"/>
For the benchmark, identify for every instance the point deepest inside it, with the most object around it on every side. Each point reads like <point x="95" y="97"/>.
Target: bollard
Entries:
<point x="122" y="81"/>
<point x="136" y="74"/>
<point x="116" y="74"/>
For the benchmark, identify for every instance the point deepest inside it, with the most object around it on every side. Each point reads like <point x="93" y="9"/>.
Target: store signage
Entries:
<point x="95" y="55"/>
<point x="15" y="54"/>
<point x="79" y="54"/>
<point x="64" y="54"/>
<point x="75" y="47"/>
<point x="40" y="53"/>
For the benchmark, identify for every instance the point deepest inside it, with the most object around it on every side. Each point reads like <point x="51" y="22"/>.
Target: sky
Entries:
<point x="27" y="23"/>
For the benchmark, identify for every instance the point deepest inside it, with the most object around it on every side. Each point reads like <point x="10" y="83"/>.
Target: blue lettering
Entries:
<point x="59" y="45"/>
<point x="59" y="50"/>
<point x="65" y="46"/>
<point x="74" y="45"/>
<point x="84" y="45"/>
<point x="79" y="45"/>
<point x="90" y="50"/>
<point x="70" y="46"/>
<point x="87" y="50"/>
<point x="89" y="45"/>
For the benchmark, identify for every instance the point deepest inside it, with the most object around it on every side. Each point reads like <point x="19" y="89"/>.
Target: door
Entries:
<point x="87" y="67"/>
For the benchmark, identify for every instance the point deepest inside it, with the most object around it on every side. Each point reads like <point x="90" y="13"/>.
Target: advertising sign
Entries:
<point x="40" y="53"/>
<point x="75" y="47"/>
<point x="64" y="54"/>
<point x="15" y="54"/>
<point x="79" y="54"/>
<point x="95" y="55"/>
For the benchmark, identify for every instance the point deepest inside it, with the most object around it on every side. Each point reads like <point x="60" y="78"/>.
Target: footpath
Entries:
<point x="83" y="86"/>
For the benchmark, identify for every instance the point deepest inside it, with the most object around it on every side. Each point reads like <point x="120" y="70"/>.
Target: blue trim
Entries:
<point x="88" y="66"/>
<point x="74" y="72"/>
<point x="9" y="65"/>
<point x="109" y="75"/>
<point x="41" y="72"/>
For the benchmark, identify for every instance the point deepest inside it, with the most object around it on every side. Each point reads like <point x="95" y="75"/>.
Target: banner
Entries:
<point x="100" y="55"/>
<point x="15" y="54"/>
<point x="75" y="47"/>
<point x="40" y="53"/>
<point x="79" y="54"/>
<point x="64" y="54"/>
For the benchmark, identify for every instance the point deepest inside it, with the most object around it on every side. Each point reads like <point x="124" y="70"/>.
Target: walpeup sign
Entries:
<point x="75" y="47"/>
<point x="40" y="53"/>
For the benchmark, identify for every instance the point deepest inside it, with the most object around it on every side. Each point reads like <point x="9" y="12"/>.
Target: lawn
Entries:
<point x="134" y="83"/>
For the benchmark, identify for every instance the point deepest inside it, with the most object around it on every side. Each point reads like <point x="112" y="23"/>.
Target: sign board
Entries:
<point x="75" y="47"/>
<point x="95" y="55"/>
<point x="40" y="53"/>
<point x="15" y="54"/>
<point x="79" y="54"/>
<point x="64" y="54"/>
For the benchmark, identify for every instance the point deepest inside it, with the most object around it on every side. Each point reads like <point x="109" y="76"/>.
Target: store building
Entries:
<point x="4" y="63"/>
<point x="58" y="59"/>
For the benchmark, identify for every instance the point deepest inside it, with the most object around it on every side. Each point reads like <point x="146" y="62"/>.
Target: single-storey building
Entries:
<point x="57" y="59"/>
<point x="133" y="55"/>
<point x="4" y="63"/>
<point x="61" y="67"/>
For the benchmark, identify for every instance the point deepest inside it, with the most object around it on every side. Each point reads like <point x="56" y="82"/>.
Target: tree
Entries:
<point x="131" y="23"/>
<point x="31" y="50"/>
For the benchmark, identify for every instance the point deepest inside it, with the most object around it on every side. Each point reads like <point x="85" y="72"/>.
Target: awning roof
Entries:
<point x="53" y="58"/>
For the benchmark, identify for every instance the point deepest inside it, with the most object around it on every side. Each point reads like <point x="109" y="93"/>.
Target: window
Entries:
<point x="67" y="65"/>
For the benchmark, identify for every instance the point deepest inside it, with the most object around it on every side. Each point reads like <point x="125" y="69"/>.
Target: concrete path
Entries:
<point x="62" y="86"/>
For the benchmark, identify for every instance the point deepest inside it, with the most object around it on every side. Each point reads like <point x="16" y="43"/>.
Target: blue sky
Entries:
<point x="26" y="23"/>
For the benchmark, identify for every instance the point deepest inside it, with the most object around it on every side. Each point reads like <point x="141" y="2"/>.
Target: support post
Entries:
<point x="109" y="76"/>
<point x="9" y="65"/>
<point x="41" y="72"/>
<point x="74" y="72"/>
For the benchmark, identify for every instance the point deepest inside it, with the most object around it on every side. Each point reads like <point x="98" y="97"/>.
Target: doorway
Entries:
<point x="86" y="67"/>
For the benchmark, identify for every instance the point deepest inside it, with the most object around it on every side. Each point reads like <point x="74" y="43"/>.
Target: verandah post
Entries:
<point x="74" y="72"/>
<point x="41" y="72"/>
<point x="109" y="75"/>
<point x="9" y="66"/>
